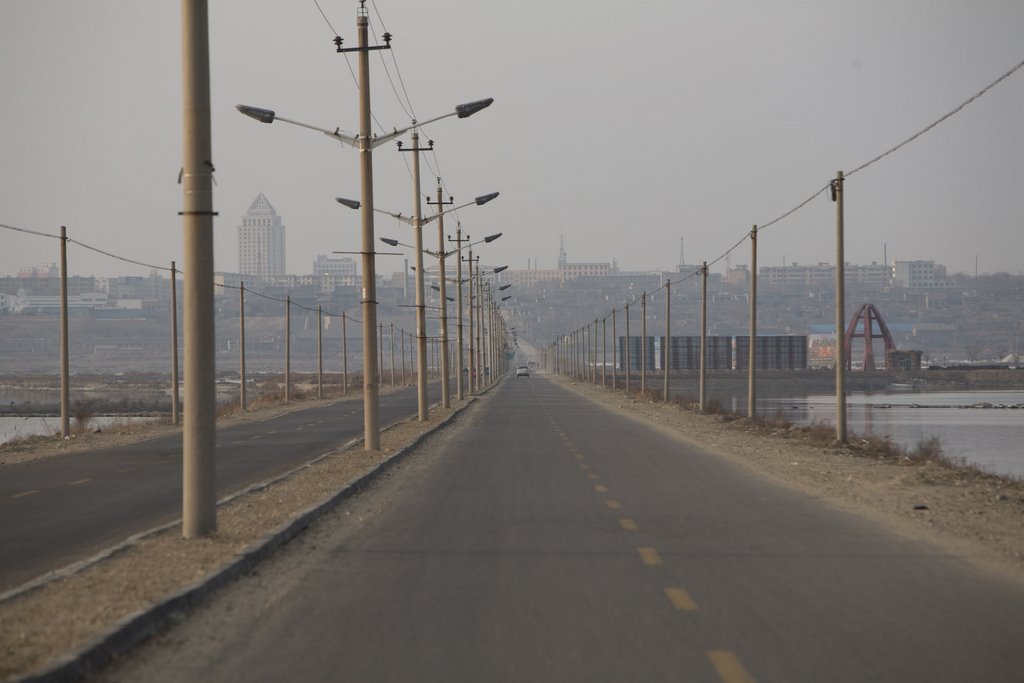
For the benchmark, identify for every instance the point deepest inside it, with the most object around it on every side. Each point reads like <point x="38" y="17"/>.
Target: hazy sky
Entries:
<point x="623" y="126"/>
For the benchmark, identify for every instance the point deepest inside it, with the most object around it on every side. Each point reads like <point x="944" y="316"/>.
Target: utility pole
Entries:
<point x="667" y="353"/>
<point x="65" y="364"/>
<point x="371" y="388"/>
<point x="421" y="311"/>
<point x="459" y="382"/>
<point x="472" y="313"/>
<point x="446" y="399"/>
<point x="840" y="354"/>
<point x="287" y="348"/>
<point x="175" y="418"/>
<point x="319" y="352"/>
<point x="752" y="351"/>
<point x="604" y="351"/>
<point x="703" y="331"/>
<point x="629" y="351"/>
<point x="479" y="328"/>
<point x="199" y="443"/>
<point x="344" y="355"/>
<point x="241" y="347"/>
<point x="643" y="345"/>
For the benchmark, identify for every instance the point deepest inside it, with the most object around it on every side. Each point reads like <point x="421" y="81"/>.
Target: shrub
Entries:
<point x="82" y="411"/>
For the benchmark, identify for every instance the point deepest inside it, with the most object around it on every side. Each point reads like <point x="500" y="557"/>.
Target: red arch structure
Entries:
<point x="867" y="316"/>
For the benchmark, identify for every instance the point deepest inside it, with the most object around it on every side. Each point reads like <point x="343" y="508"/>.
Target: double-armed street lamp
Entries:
<point x="366" y="142"/>
<point x="417" y="222"/>
<point x="459" y="281"/>
<point x="478" y="312"/>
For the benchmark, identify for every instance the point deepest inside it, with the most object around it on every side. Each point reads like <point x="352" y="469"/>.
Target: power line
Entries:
<point x="324" y="16"/>
<point x="119" y="258"/>
<point x="31" y="232"/>
<point x="940" y="120"/>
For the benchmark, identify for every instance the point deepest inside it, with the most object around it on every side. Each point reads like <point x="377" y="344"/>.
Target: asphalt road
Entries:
<point x="545" y="538"/>
<point x="58" y="510"/>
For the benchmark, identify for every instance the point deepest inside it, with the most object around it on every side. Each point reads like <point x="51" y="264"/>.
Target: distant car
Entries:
<point x="522" y="371"/>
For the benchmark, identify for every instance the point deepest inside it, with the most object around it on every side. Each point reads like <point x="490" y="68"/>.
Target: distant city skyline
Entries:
<point x="623" y="127"/>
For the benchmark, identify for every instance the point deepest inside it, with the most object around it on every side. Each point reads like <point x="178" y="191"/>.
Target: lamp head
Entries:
<point x="470" y="108"/>
<point x="389" y="241"/>
<point x="500" y="268"/>
<point x="350" y="203"/>
<point x="491" y="238"/>
<point x="261" y="115"/>
<point x="483" y="199"/>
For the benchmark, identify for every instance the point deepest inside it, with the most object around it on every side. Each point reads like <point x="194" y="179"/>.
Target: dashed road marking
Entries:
<point x="729" y="668"/>
<point x="680" y="599"/>
<point x="80" y="481"/>
<point x="628" y="524"/>
<point x="584" y="466"/>
<point x="25" y="493"/>
<point x="579" y="456"/>
<point x="614" y="504"/>
<point x="600" y="488"/>
<point x="591" y="475"/>
<point x="650" y="557"/>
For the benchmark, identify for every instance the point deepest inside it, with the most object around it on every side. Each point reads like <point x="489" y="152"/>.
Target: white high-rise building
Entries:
<point x="261" y="241"/>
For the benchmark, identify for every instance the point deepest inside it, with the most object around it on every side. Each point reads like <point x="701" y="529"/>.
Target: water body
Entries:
<point x="968" y="424"/>
<point x="20" y="427"/>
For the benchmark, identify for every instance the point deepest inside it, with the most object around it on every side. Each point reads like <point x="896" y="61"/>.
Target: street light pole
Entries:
<point x="479" y="327"/>
<point x="371" y="389"/>
<point x="446" y="399"/>
<point x="472" y="314"/>
<point x="460" y="390"/>
<point x="421" y="311"/>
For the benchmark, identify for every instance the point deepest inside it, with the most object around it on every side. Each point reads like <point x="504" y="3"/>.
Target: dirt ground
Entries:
<point x="975" y="516"/>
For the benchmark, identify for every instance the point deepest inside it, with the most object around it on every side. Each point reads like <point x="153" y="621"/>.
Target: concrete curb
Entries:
<point x="139" y="627"/>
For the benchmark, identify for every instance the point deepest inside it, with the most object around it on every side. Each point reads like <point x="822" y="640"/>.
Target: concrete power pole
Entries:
<point x="752" y="351"/>
<point x="840" y="354"/>
<point x="175" y="398"/>
<point x="446" y="399"/>
<point x="199" y="491"/>
<point x="65" y="365"/>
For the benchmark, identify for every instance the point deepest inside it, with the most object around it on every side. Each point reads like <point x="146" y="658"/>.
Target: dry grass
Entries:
<point x="927" y="451"/>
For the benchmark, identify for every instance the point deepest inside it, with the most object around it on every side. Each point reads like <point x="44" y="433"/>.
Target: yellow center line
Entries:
<point x="614" y="504"/>
<point x="680" y="599"/>
<point x="601" y="488"/>
<point x="628" y="524"/>
<point x="80" y="481"/>
<point x="729" y="668"/>
<point x="591" y="475"/>
<point x="650" y="557"/>
<point x="25" y="493"/>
